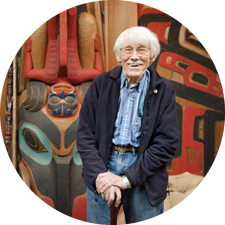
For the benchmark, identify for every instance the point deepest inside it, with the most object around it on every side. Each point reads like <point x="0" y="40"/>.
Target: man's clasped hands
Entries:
<point x="110" y="186"/>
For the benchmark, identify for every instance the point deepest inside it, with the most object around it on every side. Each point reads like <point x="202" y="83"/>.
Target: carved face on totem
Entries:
<point x="48" y="120"/>
<point x="62" y="100"/>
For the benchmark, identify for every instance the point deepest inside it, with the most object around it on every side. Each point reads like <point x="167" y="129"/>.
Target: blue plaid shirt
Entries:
<point x="127" y="127"/>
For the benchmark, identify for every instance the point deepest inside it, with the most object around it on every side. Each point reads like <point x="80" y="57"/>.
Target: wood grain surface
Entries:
<point x="87" y="28"/>
<point x="100" y="32"/>
<point x="94" y="9"/>
<point x="27" y="15"/>
<point x="119" y="16"/>
<point x="39" y="46"/>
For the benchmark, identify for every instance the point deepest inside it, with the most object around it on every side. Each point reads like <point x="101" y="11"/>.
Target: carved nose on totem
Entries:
<point x="63" y="208"/>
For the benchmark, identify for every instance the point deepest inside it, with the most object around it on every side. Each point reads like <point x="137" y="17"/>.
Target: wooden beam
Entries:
<point x="119" y="16"/>
<point x="100" y="32"/>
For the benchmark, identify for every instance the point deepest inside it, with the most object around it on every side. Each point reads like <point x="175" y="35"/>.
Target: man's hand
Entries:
<point x="110" y="195"/>
<point x="105" y="180"/>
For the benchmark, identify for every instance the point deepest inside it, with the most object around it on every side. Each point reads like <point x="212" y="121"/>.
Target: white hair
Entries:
<point x="138" y="35"/>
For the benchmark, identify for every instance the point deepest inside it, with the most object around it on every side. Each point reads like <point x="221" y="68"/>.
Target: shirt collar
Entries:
<point x="140" y="84"/>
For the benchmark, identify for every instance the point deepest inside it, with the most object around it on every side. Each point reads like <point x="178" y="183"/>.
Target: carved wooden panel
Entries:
<point x="199" y="95"/>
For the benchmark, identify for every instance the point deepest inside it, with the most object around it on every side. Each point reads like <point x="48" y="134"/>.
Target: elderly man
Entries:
<point x="128" y="133"/>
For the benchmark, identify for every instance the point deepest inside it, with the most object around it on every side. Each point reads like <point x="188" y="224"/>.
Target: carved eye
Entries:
<point x="54" y="99"/>
<point x="201" y="79"/>
<point x="32" y="140"/>
<point x="70" y="99"/>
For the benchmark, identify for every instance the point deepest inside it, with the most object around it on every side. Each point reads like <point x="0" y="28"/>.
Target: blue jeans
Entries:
<point x="135" y="203"/>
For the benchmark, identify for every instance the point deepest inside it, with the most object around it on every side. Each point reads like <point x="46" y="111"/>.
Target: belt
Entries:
<point x="123" y="148"/>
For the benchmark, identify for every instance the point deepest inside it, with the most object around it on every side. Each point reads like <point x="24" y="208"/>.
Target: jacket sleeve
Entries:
<point x="162" y="147"/>
<point x="86" y="142"/>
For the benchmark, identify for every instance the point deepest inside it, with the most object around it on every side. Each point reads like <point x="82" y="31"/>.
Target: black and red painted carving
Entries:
<point x="199" y="95"/>
<point x="62" y="58"/>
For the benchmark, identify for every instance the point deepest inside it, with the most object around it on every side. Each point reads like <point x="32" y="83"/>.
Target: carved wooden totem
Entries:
<point x="49" y="113"/>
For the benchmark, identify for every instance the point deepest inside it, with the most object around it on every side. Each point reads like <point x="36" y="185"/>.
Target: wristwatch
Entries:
<point x="126" y="181"/>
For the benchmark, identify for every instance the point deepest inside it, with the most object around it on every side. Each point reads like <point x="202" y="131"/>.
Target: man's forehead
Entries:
<point x="134" y="44"/>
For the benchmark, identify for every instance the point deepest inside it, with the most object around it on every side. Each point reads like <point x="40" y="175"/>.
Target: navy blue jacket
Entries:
<point x="159" y="132"/>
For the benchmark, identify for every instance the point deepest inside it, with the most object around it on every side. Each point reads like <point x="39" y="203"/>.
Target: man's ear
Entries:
<point x="118" y="58"/>
<point x="152" y="59"/>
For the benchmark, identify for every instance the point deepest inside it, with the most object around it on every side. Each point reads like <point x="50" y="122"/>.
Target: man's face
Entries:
<point x="134" y="65"/>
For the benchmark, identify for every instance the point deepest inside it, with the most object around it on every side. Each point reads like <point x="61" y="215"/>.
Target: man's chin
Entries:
<point x="134" y="75"/>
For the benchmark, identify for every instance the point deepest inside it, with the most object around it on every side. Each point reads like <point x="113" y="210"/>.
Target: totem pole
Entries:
<point x="8" y="132"/>
<point x="49" y="114"/>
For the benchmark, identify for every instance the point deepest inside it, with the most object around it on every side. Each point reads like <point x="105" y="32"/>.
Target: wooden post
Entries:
<point x="14" y="116"/>
<point x="119" y="15"/>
